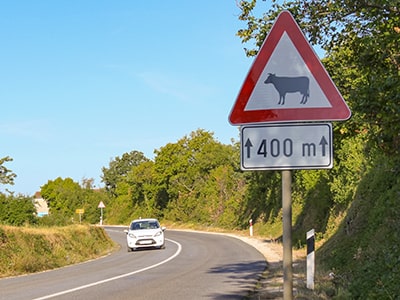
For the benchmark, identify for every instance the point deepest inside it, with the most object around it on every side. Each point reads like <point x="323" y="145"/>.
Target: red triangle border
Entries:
<point x="339" y="110"/>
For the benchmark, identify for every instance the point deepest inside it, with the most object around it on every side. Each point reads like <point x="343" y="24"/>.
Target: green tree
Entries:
<point x="221" y="199"/>
<point x="6" y="175"/>
<point x="183" y="171"/>
<point x="143" y="190"/>
<point x="362" y="42"/>
<point x="135" y="195"/>
<point x="91" y="199"/>
<point x="63" y="196"/>
<point x="263" y="197"/>
<point x="119" y="168"/>
<point x="356" y="203"/>
<point x="16" y="210"/>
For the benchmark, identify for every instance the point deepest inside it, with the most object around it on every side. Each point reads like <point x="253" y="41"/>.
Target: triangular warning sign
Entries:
<point x="287" y="82"/>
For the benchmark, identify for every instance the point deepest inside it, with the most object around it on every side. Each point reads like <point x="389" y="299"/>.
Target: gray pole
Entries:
<point x="287" y="234"/>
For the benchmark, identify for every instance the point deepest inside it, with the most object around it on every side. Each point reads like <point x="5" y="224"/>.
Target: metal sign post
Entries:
<point x="287" y="147"/>
<point x="287" y="234"/>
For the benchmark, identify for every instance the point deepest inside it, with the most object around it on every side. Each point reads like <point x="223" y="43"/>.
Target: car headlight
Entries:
<point x="132" y="235"/>
<point x="158" y="233"/>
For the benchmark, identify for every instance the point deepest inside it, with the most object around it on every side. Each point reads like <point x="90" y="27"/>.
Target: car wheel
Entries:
<point x="130" y="249"/>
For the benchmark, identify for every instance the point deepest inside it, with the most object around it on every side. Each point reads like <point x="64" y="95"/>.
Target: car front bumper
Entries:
<point x="145" y="242"/>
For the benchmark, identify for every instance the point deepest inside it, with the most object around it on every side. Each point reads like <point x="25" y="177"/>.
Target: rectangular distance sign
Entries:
<point x="286" y="146"/>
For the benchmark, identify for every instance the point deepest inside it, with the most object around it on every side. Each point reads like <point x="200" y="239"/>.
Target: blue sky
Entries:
<point x="85" y="81"/>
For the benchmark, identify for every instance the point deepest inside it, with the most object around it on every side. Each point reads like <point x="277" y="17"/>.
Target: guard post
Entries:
<point x="101" y="206"/>
<point x="310" y="258"/>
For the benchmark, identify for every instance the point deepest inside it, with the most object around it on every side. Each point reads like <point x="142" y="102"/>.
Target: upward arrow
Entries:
<point x="323" y="144"/>
<point x="248" y="146"/>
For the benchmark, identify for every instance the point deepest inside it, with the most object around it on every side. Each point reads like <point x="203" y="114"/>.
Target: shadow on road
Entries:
<point x="244" y="276"/>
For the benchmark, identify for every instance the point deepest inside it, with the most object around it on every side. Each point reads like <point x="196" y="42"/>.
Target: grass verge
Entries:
<point x="27" y="250"/>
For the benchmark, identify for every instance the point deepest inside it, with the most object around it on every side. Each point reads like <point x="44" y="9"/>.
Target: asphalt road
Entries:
<point x="192" y="266"/>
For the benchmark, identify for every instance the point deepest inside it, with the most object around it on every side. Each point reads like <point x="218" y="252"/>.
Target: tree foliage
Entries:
<point x="196" y="174"/>
<point x="354" y="206"/>
<point x="16" y="210"/>
<point x="361" y="40"/>
<point x="192" y="180"/>
<point x="65" y="196"/>
<point x="62" y="195"/>
<point x="6" y="175"/>
<point x="119" y="167"/>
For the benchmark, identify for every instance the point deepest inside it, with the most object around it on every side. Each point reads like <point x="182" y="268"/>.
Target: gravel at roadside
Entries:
<point x="272" y="251"/>
<point x="271" y="284"/>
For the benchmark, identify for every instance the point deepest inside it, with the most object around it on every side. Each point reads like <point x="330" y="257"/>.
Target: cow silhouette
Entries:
<point x="286" y="85"/>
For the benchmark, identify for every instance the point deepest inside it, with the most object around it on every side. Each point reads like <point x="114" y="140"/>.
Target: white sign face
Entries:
<point x="286" y="65"/>
<point x="286" y="146"/>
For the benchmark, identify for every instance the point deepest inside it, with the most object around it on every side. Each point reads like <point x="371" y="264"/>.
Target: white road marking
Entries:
<point x="115" y="277"/>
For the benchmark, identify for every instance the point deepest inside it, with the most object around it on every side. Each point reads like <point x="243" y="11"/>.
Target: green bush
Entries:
<point x="16" y="210"/>
<point x="365" y="250"/>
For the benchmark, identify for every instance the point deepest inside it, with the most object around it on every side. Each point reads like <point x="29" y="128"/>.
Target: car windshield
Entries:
<point x="144" y="225"/>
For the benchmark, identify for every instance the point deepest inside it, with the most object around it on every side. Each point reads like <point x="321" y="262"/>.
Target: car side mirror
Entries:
<point x="126" y="231"/>
<point x="163" y="228"/>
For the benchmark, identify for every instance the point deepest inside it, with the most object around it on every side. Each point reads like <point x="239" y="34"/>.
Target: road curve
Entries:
<point x="193" y="266"/>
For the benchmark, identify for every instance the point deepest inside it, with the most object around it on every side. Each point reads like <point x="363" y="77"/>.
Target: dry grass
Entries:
<point x="28" y="250"/>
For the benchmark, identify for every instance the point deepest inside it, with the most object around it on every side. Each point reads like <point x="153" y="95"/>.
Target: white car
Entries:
<point x="145" y="233"/>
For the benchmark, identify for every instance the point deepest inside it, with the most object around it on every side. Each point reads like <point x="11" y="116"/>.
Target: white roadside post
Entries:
<point x="101" y="206"/>
<point x="310" y="259"/>
<point x="251" y="227"/>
